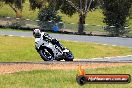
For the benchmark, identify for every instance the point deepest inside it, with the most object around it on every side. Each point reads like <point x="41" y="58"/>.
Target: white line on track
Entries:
<point x="104" y="44"/>
<point x="114" y="45"/>
<point x="10" y="35"/>
<point x="22" y="36"/>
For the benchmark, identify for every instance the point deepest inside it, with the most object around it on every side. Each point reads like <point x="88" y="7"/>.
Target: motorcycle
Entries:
<point x="50" y="49"/>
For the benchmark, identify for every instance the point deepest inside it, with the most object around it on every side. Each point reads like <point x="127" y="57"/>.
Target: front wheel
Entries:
<point x="69" y="56"/>
<point x="46" y="54"/>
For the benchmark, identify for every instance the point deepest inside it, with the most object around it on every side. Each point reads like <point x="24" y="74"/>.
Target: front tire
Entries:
<point x="46" y="54"/>
<point x="69" y="56"/>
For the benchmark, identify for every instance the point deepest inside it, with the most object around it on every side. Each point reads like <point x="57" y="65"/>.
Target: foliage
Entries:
<point x="36" y="4"/>
<point x="116" y="31"/>
<point x="48" y="18"/>
<point x="82" y="7"/>
<point x="69" y="7"/>
<point x="16" y="5"/>
<point x="116" y="13"/>
<point x="130" y="12"/>
<point x="1" y="4"/>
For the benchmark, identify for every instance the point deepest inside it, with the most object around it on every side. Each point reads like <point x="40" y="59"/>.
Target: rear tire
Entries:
<point x="46" y="54"/>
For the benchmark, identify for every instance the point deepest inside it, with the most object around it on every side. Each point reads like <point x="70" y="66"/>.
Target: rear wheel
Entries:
<point x="46" y="54"/>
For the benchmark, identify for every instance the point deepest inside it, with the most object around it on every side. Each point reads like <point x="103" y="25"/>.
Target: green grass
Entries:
<point x="92" y="50"/>
<point x="27" y="12"/>
<point x="59" y="78"/>
<point x="22" y="49"/>
<point x="93" y="18"/>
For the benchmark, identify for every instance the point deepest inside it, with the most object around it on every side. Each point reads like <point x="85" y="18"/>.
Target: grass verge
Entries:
<point x="22" y="49"/>
<point x="59" y="78"/>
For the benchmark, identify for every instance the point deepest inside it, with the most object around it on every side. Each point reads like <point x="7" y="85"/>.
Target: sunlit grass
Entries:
<point x="27" y="13"/>
<point x="59" y="78"/>
<point x="92" y="50"/>
<point x="17" y="49"/>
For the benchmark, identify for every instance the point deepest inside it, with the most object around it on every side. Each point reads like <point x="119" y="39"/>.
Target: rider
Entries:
<point x="38" y="34"/>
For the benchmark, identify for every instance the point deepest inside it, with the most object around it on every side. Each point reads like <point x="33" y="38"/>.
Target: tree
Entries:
<point x="47" y="15"/>
<point x="1" y="4"/>
<point x="48" y="18"/>
<point x="37" y="4"/>
<point x="16" y="5"/>
<point x="130" y="12"/>
<point x="82" y="7"/>
<point x="116" y="13"/>
<point x="69" y="7"/>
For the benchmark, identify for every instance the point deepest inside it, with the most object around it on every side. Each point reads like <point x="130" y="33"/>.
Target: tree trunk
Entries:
<point x="81" y="23"/>
<point x="18" y="14"/>
<point x="17" y="11"/>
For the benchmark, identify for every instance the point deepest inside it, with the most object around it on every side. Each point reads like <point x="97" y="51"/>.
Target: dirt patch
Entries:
<point x="12" y="68"/>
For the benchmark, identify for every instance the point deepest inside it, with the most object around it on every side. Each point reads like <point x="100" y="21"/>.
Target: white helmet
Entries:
<point x="37" y="33"/>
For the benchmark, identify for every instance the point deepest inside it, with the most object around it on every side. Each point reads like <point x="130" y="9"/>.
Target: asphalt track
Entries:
<point x="114" y="41"/>
<point x="75" y="62"/>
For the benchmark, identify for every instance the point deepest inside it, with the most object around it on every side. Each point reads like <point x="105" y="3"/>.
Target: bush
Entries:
<point x="130" y="12"/>
<point x="16" y="24"/>
<point x="116" y="31"/>
<point x="116" y="13"/>
<point x="48" y="18"/>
